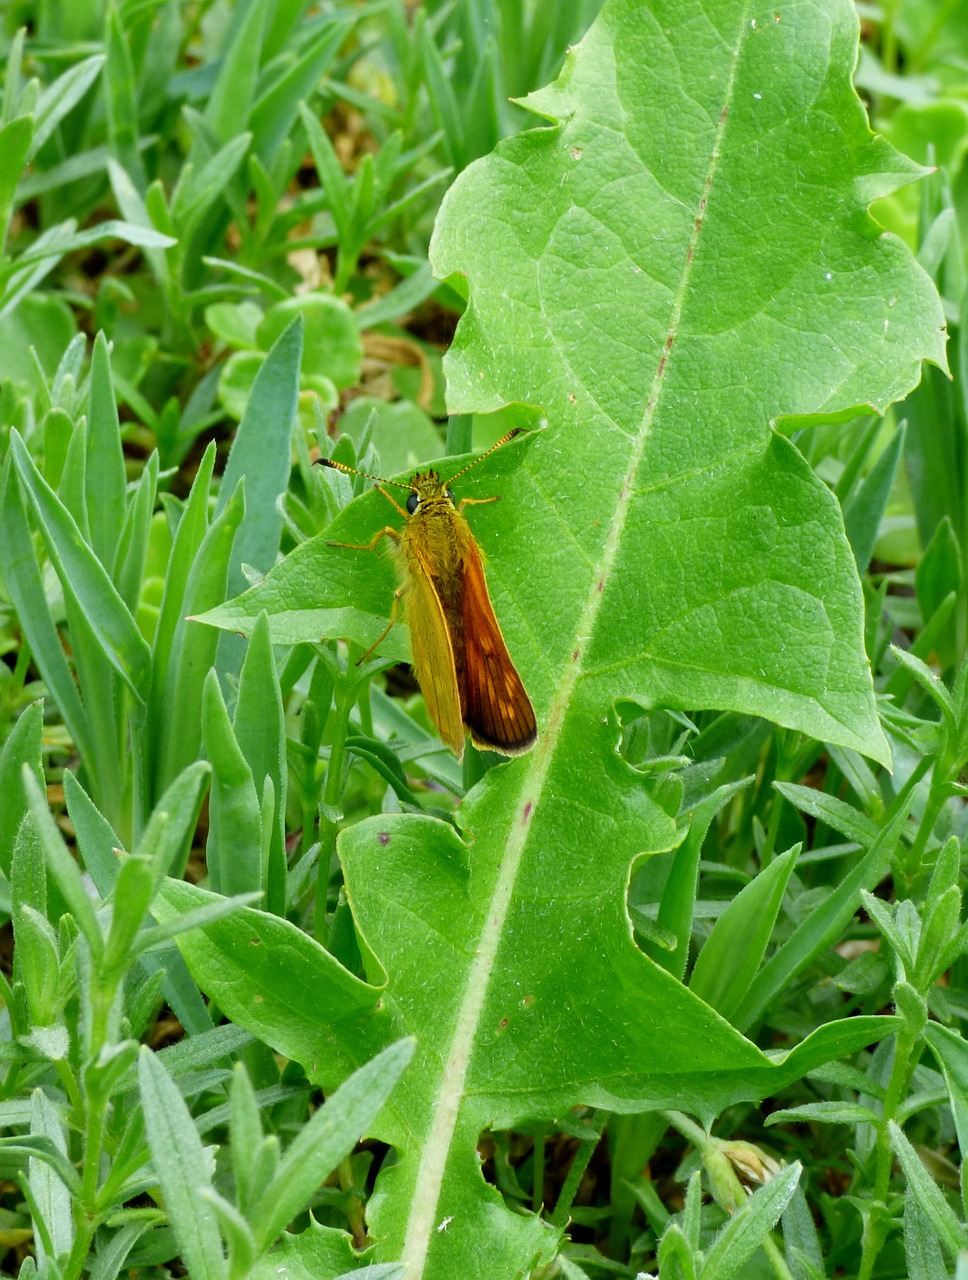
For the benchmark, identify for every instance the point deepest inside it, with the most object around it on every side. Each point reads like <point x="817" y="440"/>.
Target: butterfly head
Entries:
<point x="428" y="492"/>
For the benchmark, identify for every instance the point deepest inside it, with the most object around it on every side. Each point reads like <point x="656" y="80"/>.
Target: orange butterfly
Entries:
<point x="459" y="656"/>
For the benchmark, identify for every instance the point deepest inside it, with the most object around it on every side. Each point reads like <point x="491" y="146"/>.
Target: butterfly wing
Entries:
<point x="433" y="654"/>
<point x="496" y="707"/>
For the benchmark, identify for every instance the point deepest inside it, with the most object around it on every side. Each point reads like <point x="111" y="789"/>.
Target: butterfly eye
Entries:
<point x="450" y="494"/>
<point x="413" y="502"/>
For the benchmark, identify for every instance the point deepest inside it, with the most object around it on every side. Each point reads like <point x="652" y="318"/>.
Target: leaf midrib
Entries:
<point x="433" y="1155"/>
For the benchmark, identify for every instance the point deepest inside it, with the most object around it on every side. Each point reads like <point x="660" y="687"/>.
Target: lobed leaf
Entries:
<point x="679" y="258"/>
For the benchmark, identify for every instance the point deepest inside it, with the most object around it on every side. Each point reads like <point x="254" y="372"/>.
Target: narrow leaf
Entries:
<point x="49" y="1194"/>
<point x="920" y="1184"/>
<point x="231" y="96"/>
<point x="25" y="584"/>
<point x="106" y="480"/>
<point x="15" y="139"/>
<point x="85" y="577"/>
<point x="922" y="1250"/>
<point x="193" y="648"/>
<point x="121" y="99"/>
<point x="60" y="98"/>
<point x="62" y="866"/>
<point x="180" y="1163"/>
<point x="22" y="747"/>
<point x="273" y="115"/>
<point x="747" y="1229"/>
<point x="329" y="1136"/>
<point x="836" y="813"/>
<point x="259" y="728"/>
<point x="826" y="922"/>
<point x="864" y="512"/>
<point x="734" y="949"/>
<point x="234" y="848"/>
<point x="261" y="453"/>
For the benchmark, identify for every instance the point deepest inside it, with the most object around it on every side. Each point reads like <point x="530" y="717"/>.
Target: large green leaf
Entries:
<point x="680" y="258"/>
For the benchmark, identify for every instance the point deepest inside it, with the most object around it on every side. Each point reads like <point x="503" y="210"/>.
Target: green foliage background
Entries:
<point x="704" y="887"/>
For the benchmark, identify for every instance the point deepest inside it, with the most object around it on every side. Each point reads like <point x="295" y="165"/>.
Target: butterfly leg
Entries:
<point x="394" y="614"/>
<point x="387" y="532"/>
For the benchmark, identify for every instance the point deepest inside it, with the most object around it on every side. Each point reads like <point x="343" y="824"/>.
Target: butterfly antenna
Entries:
<point x="352" y="471"/>
<point x="516" y="431"/>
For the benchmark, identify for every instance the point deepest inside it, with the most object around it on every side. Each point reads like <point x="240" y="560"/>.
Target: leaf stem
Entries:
<point x="353" y="1202"/>
<point x="579" y="1164"/>
<point x="937" y="798"/>
<point x="344" y="696"/>
<point x="691" y="1131"/>
<point x="878" y="1223"/>
<point x="777" y="1261"/>
<point x="538" y="1170"/>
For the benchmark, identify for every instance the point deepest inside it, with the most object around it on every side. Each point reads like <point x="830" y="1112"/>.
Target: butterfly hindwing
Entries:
<point x="496" y="707"/>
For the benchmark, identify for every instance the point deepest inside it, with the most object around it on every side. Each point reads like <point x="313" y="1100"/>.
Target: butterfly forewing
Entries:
<point x="496" y="707"/>
<point x="433" y="654"/>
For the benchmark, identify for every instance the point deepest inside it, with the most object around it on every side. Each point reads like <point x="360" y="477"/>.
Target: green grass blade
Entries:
<point x="261" y="453"/>
<point x="749" y="1227"/>
<point x="259" y="728"/>
<point x="83" y="576"/>
<point x="734" y="949"/>
<point x="231" y="97"/>
<point x="15" y="139"/>
<point x="167" y="838"/>
<point x="97" y="842"/>
<point x="234" y="850"/>
<point x="329" y="1136"/>
<point x="443" y="100"/>
<point x="60" y="98"/>
<point x="865" y="510"/>
<point x="275" y="112"/>
<point x="106" y="481"/>
<point x="679" y="895"/>
<point x="22" y="747"/>
<point x="181" y="1165"/>
<point x="132" y="547"/>
<point x="121" y="99"/>
<point x="950" y="1230"/>
<point x="193" y="648"/>
<point x="26" y="587"/>
<point x="192" y="527"/>
<point x="330" y="171"/>
<point x="62" y="866"/>
<point x="825" y="923"/>
<point x="48" y="1193"/>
